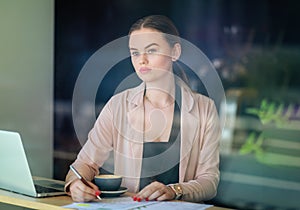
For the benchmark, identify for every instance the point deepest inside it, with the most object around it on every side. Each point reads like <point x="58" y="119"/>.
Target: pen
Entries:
<point x="82" y="179"/>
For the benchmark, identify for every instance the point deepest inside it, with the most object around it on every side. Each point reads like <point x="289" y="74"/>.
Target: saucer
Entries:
<point x="114" y="193"/>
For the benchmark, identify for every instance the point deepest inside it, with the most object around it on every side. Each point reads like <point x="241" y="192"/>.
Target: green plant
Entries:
<point x="253" y="145"/>
<point x="269" y="112"/>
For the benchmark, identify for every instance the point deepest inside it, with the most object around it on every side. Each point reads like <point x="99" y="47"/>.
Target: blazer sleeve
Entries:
<point x="205" y="155"/>
<point x="96" y="149"/>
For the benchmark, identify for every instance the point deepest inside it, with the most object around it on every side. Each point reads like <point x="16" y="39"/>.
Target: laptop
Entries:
<point x="15" y="173"/>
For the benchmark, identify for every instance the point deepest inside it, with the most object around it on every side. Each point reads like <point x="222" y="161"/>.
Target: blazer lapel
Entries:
<point x="189" y="127"/>
<point x="135" y="115"/>
<point x="134" y="130"/>
<point x="130" y="128"/>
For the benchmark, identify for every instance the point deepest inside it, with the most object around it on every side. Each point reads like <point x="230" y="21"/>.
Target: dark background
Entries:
<point x="82" y="27"/>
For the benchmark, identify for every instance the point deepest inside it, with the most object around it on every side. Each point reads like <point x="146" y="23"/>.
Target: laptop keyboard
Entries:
<point x="42" y="189"/>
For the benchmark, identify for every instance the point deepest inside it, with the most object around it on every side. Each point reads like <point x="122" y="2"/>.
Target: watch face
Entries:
<point x="178" y="191"/>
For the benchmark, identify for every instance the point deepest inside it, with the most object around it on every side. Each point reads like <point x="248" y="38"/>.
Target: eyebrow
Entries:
<point x="150" y="45"/>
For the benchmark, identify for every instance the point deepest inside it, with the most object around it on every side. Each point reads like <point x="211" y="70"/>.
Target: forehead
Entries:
<point x="143" y="37"/>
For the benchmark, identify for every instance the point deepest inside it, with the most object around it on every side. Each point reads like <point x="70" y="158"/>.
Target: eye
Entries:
<point x="135" y="53"/>
<point x="151" y="51"/>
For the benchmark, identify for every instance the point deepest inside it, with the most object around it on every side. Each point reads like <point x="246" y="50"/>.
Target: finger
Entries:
<point x="146" y="191"/>
<point x="84" y="194"/>
<point x="151" y="191"/>
<point x="156" y="194"/>
<point x="86" y="189"/>
<point x="162" y="192"/>
<point x="96" y="188"/>
<point x="163" y="197"/>
<point x="80" y="196"/>
<point x="81" y="192"/>
<point x="167" y="194"/>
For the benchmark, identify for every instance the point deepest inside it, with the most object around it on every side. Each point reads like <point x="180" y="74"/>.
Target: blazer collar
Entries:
<point x="135" y="97"/>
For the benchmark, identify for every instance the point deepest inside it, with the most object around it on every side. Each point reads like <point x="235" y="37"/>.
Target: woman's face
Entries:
<point x="151" y="54"/>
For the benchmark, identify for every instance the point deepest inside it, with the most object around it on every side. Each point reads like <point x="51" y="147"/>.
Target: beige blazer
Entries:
<point x="119" y="127"/>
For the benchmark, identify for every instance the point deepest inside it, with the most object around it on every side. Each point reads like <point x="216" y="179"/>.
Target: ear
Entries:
<point x="176" y="52"/>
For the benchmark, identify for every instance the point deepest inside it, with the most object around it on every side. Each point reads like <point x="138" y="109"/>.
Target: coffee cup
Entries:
<point x="108" y="182"/>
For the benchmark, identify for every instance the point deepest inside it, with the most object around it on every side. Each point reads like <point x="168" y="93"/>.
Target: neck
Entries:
<point x="161" y="93"/>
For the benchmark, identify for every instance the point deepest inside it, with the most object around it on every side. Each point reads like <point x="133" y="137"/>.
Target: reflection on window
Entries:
<point x="255" y="48"/>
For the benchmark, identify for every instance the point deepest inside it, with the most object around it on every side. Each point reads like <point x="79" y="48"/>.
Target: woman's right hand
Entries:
<point x="82" y="193"/>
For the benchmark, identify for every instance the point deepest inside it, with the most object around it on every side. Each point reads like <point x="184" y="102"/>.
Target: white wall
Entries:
<point x="26" y="77"/>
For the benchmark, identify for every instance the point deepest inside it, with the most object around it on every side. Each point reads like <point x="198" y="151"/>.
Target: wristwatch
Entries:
<point x="177" y="190"/>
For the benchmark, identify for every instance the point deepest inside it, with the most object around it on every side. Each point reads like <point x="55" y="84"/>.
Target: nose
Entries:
<point x="143" y="59"/>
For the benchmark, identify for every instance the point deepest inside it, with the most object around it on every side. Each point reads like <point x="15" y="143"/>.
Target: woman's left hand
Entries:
<point x="155" y="191"/>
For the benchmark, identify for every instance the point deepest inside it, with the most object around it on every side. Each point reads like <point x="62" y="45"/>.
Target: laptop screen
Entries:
<point x="15" y="173"/>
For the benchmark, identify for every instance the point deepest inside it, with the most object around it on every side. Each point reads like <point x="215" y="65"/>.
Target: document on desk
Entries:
<point x="128" y="204"/>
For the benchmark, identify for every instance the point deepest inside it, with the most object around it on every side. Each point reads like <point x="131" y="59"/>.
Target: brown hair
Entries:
<point x="160" y="23"/>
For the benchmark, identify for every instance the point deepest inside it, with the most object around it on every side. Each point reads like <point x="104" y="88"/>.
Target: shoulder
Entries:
<point x="129" y="95"/>
<point x="195" y="99"/>
<point x="202" y="99"/>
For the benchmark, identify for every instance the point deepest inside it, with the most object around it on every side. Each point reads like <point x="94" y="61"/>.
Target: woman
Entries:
<point x="159" y="156"/>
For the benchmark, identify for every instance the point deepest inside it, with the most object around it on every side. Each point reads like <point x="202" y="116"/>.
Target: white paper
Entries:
<point x="110" y="203"/>
<point x="169" y="205"/>
<point x="128" y="204"/>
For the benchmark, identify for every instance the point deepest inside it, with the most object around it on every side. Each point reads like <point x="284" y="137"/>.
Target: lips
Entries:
<point x="144" y="70"/>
